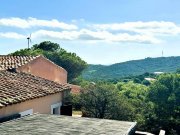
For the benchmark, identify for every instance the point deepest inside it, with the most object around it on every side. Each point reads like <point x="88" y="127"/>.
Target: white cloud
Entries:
<point x="89" y="35"/>
<point x="33" y="22"/>
<point x="64" y="35"/>
<point x="150" y="28"/>
<point x="152" y="32"/>
<point x="12" y="35"/>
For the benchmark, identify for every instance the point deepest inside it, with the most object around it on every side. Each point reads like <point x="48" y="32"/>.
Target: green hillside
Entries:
<point x="134" y="67"/>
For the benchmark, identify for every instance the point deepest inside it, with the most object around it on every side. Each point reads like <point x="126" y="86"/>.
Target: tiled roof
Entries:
<point x="19" y="87"/>
<point x="43" y="124"/>
<point x="10" y="62"/>
<point x="75" y="89"/>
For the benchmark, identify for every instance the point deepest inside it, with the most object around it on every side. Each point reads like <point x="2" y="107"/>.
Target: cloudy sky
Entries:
<point x="99" y="31"/>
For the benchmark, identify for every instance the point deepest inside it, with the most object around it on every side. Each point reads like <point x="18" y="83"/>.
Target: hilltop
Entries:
<point x="129" y="68"/>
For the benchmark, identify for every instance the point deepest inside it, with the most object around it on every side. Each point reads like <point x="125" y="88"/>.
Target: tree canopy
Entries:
<point x="155" y="106"/>
<point x="165" y="94"/>
<point x="178" y="71"/>
<point x="47" y="46"/>
<point x="102" y="100"/>
<point x="69" y="61"/>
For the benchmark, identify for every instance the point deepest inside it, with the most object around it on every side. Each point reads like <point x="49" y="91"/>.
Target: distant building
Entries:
<point x="158" y="73"/>
<point x="75" y="89"/>
<point x="40" y="124"/>
<point x="150" y="79"/>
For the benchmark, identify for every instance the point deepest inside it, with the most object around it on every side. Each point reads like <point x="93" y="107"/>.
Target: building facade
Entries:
<point x="24" y="94"/>
<point x="35" y="65"/>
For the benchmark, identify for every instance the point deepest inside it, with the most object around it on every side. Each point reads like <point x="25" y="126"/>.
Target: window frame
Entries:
<point x="56" y="105"/>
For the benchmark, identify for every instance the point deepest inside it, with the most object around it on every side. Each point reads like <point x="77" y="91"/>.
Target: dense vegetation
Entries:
<point x="102" y="100"/>
<point x="69" y="61"/>
<point x="165" y="94"/>
<point x="155" y="106"/>
<point x="135" y="67"/>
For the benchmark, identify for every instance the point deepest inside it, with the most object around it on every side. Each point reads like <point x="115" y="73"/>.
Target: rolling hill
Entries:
<point x="134" y="67"/>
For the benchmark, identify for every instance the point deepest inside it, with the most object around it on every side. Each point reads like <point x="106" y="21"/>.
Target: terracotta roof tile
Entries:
<point x="10" y="62"/>
<point x="19" y="87"/>
<point x="75" y="89"/>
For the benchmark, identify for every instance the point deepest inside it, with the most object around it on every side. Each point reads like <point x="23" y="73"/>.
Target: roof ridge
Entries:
<point x="15" y="61"/>
<point x="20" y="55"/>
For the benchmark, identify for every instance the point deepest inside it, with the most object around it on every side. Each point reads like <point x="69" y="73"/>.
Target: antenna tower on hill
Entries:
<point x="162" y="53"/>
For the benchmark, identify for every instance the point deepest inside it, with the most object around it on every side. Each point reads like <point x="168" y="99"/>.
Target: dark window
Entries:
<point x="56" y="110"/>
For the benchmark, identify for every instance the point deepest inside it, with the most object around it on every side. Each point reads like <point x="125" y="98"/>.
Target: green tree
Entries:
<point x="136" y="95"/>
<point x="137" y="80"/>
<point x="27" y="52"/>
<point x="76" y="101"/>
<point x="47" y="46"/>
<point x="146" y="82"/>
<point x="69" y="61"/>
<point x="165" y="94"/>
<point x="178" y="71"/>
<point x="102" y="100"/>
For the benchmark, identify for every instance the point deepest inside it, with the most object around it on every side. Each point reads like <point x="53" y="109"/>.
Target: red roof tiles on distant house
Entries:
<point x="75" y="89"/>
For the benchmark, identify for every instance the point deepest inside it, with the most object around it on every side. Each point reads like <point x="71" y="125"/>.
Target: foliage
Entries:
<point x="136" y="95"/>
<point x="135" y="67"/>
<point x="165" y="94"/>
<point x="27" y="52"/>
<point x="146" y="82"/>
<point x="178" y="71"/>
<point x="81" y="82"/>
<point x="102" y="100"/>
<point x="47" y="46"/>
<point x="76" y="101"/>
<point x="136" y="80"/>
<point x="69" y="61"/>
<point x="154" y="106"/>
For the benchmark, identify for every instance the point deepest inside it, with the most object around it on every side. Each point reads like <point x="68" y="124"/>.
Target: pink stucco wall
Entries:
<point x="44" y="68"/>
<point x="39" y="105"/>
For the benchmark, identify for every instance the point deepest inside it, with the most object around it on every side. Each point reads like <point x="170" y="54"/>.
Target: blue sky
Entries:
<point x="99" y="31"/>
